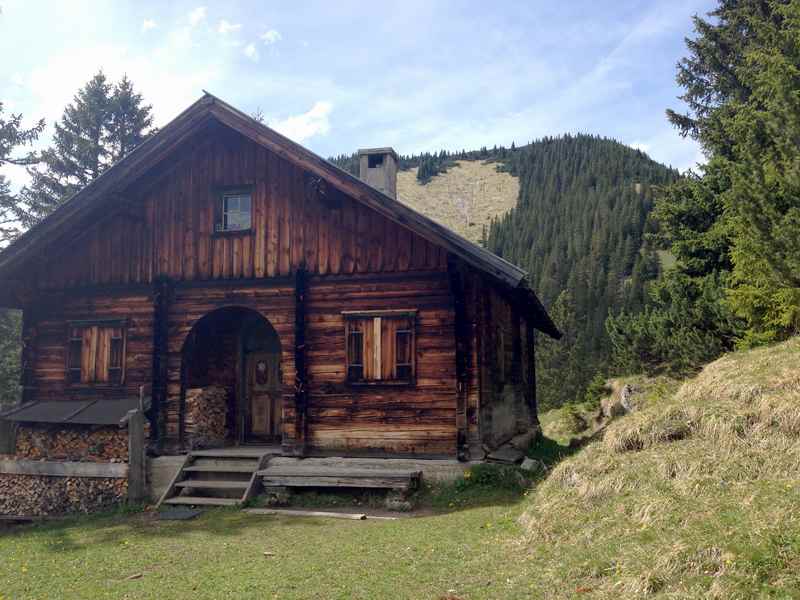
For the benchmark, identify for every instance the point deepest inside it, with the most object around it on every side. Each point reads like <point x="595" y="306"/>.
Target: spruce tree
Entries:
<point x="131" y="120"/>
<point x="101" y="125"/>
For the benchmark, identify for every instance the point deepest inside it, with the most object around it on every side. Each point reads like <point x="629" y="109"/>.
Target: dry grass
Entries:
<point x="696" y="495"/>
<point x="464" y="199"/>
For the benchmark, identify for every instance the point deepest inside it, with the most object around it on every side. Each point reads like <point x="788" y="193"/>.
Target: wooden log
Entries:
<point x="63" y="469"/>
<point x="307" y="513"/>
<point x="137" y="467"/>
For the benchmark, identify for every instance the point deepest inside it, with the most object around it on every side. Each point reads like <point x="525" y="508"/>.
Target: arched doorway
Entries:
<point x="231" y="380"/>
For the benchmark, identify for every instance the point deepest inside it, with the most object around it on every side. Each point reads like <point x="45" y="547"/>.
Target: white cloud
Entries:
<point x="251" y="52"/>
<point x="225" y="27"/>
<point x="197" y="16"/>
<point x="272" y="36"/>
<point x="302" y="127"/>
<point x="148" y="24"/>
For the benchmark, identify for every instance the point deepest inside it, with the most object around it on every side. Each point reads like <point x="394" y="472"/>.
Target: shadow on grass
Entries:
<point x="75" y="533"/>
<point x="482" y="485"/>
<point x="491" y="484"/>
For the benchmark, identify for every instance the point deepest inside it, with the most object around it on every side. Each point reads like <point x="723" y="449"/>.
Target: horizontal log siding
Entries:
<point x="420" y="419"/>
<point x="165" y="226"/>
<point x="50" y="325"/>
<point x="189" y="305"/>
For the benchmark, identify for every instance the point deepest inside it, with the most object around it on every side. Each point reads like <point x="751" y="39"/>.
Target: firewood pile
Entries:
<point x="40" y="495"/>
<point x="77" y="443"/>
<point x="206" y="419"/>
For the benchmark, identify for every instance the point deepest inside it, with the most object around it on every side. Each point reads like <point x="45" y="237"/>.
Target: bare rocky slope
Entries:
<point x="465" y="198"/>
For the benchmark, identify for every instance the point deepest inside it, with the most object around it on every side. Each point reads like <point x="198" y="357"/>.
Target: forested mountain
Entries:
<point x="578" y="229"/>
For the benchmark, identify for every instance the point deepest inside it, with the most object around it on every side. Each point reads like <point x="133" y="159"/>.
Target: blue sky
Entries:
<point x="337" y="76"/>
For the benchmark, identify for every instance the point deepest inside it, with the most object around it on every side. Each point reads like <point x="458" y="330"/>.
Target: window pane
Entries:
<point x="403" y="348"/>
<point x="236" y="212"/>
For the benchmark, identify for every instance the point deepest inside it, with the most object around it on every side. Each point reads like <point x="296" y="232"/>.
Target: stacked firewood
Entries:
<point x="76" y="443"/>
<point x="39" y="495"/>
<point x="206" y="419"/>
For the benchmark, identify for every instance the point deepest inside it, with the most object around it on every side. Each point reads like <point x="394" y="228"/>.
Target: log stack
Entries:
<point x="206" y="418"/>
<point x="75" y="443"/>
<point x="40" y="495"/>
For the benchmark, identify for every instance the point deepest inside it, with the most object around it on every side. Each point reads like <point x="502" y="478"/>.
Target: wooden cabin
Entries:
<point x="262" y="295"/>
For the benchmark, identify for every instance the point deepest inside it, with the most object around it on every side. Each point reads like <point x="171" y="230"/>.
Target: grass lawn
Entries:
<point x="469" y="553"/>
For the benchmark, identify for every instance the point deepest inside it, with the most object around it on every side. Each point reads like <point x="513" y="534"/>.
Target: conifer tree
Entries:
<point x="101" y="125"/>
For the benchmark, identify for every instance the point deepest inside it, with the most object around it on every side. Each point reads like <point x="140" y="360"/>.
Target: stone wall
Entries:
<point x="41" y="495"/>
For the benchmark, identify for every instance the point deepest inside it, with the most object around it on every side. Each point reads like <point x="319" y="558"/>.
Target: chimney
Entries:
<point x="378" y="167"/>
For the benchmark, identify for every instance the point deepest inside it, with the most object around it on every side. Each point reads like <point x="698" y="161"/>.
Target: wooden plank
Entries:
<point x="137" y="465"/>
<point x="284" y="219"/>
<point x="334" y="481"/>
<point x="211" y="484"/>
<point x="273" y="225"/>
<point x="259" y="213"/>
<point x="64" y="469"/>
<point x="308" y="513"/>
<point x="179" y="475"/>
<point x="202" y="501"/>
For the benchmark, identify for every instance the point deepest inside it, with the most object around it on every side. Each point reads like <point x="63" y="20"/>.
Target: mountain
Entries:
<point x="465" y="198"/>
<point x="571" y="210"/>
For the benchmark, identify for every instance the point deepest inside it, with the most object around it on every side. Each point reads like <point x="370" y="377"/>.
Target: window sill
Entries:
<point x="231" y="233"/>
<point x="383" y="383"/>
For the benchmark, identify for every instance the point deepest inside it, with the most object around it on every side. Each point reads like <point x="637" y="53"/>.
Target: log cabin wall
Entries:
<point x="374" y="419"/>
<point x="164" y="229"/>
<point x="165" y="226"/>
<point x="49" y="324"/>
<point x="506" y="393"/>
<point x="274" y="302"/>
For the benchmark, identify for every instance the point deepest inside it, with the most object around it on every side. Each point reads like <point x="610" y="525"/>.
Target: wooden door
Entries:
<point x="264" y="407"/>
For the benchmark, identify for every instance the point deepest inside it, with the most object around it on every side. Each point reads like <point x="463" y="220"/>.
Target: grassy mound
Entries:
<point x="696" y="495"/>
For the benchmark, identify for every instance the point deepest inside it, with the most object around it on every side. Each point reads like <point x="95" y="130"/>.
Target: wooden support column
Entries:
<point x="462" y="339"/>
<point x="137" y="474"/>
<point x="301" y="382"/>
<point x="28" y="355"/>
<point x="530" y="388"/>
<point x="162" y="296"/>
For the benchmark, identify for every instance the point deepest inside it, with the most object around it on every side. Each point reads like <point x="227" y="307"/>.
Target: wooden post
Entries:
<point x="8" y="437"/>
<point x="301" y="387"/>
<point x="530" y="340"/>
<point x="161" y="300"/>
<point x="462" y="331"/>
<point x="137" y="472"/>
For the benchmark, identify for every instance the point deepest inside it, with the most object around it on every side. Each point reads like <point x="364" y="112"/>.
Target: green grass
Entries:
<point x="695" y="495"/>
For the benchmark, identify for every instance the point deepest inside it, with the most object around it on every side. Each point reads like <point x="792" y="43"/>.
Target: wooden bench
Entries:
<point x="339" y="477"/>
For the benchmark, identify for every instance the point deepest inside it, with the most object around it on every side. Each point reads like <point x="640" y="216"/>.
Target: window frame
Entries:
<point x="122" y="340"/>
<point x="375" y="319"/>
<point x="222" y="194"/>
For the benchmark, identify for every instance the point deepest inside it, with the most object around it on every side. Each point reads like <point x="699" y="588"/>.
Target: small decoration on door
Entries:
<point x="262" y="375"/>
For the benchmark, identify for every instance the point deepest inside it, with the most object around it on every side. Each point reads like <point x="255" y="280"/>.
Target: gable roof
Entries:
<point x="208" y="108"/>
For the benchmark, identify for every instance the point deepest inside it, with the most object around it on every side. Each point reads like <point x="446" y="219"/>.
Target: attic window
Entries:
<point x="380" y="346"/>
<point x="374" y="161"/>
<point x="235" y="213"/>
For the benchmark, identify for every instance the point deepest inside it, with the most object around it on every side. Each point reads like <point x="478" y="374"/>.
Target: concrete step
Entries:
<point x="201" y="501"/>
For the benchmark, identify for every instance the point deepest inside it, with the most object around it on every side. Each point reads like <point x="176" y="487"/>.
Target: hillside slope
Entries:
<point x="696" y="495"/>
<point x="466" y="198"/>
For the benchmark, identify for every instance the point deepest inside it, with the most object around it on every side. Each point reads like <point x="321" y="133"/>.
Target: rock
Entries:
<point x="532" y="465"/>
<point x="523" y="440"/>
<point x="506" y="454"/>
<point x="618" y="404"/>
<point x="398" y="502"/>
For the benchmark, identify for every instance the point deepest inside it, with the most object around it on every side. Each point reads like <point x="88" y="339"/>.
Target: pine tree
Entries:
<point x="101" y="125"/>
<point x="131" y="121"/>
<point x="13" y="213"/>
